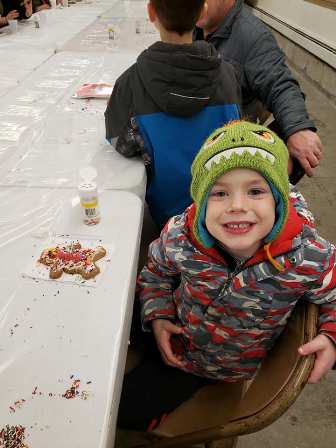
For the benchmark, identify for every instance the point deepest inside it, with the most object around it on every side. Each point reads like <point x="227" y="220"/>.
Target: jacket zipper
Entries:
<point x="228" y="282"/>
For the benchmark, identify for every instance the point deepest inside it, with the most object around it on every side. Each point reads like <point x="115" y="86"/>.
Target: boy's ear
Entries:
<point x="204" y="12"/>
<point x="151" y="12"/>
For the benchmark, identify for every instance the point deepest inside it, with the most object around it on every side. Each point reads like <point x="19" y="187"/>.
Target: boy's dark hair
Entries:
<point x="179" y="16"/>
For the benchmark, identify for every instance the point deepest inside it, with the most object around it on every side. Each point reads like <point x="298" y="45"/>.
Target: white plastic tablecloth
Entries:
<point x="54" y="336"/>
<point x="17" y="63"/>
<point x="46" y="136"/>
<point x="118" y="30"/>
<point x="58" y="338"/>
<point x="24" y="51"/>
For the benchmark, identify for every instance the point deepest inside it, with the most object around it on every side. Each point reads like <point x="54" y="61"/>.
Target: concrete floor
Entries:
<point x="311" y="421"/>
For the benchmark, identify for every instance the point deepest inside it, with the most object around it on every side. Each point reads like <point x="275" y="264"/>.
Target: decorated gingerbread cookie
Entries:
<point x="72" y="259"/>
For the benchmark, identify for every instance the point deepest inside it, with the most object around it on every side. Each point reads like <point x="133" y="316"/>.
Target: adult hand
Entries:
<point x="12" y="15"/>
<point x="306" y="147"/>
<point x="28" y="7"/>
<point x="42" y="7"/>
<point x="163" y="330"/>
<point x="325" y="356"/>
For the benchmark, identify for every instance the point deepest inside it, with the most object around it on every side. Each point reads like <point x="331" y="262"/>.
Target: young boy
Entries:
<point x="224" y="277"/>
<point x="165" y="105"/>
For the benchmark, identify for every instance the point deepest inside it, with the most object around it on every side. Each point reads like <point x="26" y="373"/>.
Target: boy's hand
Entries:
<point x="163" y="330"/>
<point x="325" y="353"/>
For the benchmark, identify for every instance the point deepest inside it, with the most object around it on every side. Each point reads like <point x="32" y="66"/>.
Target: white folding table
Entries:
<point x="63" y="345"/>
<point x="26" y="50"/>
<point x="61" y="339"/>
<point x="114" y="34"/>
<point x="46" y="136"/>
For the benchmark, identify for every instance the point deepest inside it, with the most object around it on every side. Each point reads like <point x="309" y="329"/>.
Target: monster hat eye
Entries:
<point x="264" y="135"/>
<point x="213" y="139"/>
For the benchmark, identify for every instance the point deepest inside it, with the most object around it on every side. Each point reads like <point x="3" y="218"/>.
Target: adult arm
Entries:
<point x="270" y="79"/>
<point x="39" y="5"/>
<point x="7" y="13"/>
<point x="12" y="15"/>
<point x="27" y="9"/>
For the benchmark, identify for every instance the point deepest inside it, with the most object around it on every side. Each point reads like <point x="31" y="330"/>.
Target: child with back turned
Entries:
<point x="224" y="276"/>
<point x="168" y="102"/>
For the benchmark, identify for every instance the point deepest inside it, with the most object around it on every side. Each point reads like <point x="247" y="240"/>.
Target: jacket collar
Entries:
<point x="284" y="243"/>
<point x="224" y="30"/>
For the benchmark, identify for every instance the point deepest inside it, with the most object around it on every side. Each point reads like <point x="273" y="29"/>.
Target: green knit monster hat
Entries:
<point x="240" y="144"/>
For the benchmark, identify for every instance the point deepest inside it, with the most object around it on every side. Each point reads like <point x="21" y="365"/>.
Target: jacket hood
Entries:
<point x="181" y="79"/>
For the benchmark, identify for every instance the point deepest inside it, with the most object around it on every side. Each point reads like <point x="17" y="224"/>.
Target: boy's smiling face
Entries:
<point x="240" y="211"/>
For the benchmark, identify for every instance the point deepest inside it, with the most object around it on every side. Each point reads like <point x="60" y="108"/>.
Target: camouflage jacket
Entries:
<point x="230" y="319"/>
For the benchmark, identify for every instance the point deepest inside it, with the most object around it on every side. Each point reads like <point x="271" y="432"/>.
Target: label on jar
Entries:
<point x="89" y="203"/>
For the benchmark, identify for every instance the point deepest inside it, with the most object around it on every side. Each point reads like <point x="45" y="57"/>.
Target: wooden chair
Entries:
<point x="227" y="410"/>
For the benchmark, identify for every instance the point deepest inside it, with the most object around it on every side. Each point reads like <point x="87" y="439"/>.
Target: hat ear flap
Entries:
<point x="279" y="214"/>
<point x="203" y="235"/>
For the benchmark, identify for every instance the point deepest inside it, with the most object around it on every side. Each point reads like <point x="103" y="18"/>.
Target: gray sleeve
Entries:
<point x="272" y="82"/>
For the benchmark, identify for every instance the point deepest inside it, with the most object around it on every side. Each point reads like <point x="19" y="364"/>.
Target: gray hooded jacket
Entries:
<point x="245" y="42"/>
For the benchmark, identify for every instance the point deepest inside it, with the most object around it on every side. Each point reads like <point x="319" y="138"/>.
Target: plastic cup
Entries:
<point x="53" y="3"/>
<point x="43" y="18"/>
<point x="13" y="26"/>
<point x="37" y="20"/>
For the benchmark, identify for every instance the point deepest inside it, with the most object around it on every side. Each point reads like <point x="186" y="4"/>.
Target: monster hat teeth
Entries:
<point x="227" y="153"/>
<point x="252" y="151"/>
